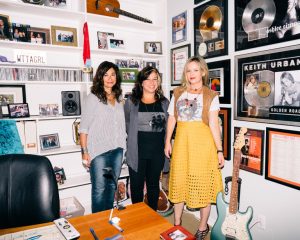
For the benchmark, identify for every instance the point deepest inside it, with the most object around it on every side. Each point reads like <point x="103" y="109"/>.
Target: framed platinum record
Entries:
<point x="210" y="29"/>
<point x="264" y="22"/>
<point x="268" y="87"/>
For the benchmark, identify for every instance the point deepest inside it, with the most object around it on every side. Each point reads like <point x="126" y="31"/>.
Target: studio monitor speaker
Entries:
<point x="70" y="103"/>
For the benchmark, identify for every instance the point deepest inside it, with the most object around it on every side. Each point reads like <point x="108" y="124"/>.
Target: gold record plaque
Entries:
<point x="263" y="22"/>
<point x="210" y="29"/>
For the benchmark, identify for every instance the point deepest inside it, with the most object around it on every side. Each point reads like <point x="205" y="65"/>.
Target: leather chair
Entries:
<point x="28" y="190"/>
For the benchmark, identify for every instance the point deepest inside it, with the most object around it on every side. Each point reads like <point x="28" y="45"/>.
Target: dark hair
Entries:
<point x="98" y="83"/>
<point x="137" y="91"/>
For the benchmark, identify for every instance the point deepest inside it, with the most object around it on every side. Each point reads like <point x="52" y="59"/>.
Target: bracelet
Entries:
<point x="219" y="151"/>
<point x="84" y="150"/>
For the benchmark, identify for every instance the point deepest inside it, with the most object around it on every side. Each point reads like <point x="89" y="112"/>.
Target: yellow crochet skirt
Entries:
<point x="194" y="175"/>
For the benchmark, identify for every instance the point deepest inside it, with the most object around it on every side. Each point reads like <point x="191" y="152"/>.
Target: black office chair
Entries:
<point x="28" y="190"/>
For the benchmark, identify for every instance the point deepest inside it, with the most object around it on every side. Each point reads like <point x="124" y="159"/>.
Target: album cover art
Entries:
<point x="268" y="88"/>
<point x="264" y="22"/>
<point x="210" y="29"/>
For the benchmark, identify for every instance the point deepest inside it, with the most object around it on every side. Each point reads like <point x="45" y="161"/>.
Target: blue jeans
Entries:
<point x="103" y="188"/>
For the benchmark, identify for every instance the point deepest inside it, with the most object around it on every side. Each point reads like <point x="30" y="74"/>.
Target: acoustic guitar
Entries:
<point x="232" y="224"/>
<point x="111" y="8"/>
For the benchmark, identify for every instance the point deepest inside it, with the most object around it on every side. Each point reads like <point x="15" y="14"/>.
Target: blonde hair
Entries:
<point x="202" y="66"/>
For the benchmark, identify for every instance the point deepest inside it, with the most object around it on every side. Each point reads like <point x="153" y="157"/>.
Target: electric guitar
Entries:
<point x="232" y="224"/>
<point x="111" y="8"/>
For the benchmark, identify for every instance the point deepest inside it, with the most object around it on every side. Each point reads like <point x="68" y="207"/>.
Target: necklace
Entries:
<point x="150" y="123"/>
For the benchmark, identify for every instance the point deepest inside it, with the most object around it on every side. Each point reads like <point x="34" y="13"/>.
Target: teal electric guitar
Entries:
<point x="232" y="224"/>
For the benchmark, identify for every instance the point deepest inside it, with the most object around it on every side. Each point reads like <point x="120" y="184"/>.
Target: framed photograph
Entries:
<point x="282" y="157"/>
<point x="116" y="43"/>
<point x="57" y="3"/>
<point x="179" y="56"/>
<point x="5" y="27"/>
<point x="48" y="110"/>
<point x="39" y="35"/>
<point x="60" y="175"/>
<point x="210" y="29"/>
<point x="49" y="141"/>
<point x="11" y="94"/>
<point x="252" y="152"/>
<point x="129" y="74"/>
<point x="268" y="87"/>
<point x="152" y="63"/>
<point x="18" y="110"/>
<point x="219" y="79"/>
<point x="64" y="36"/>
<point x="179" y="28"/>
<point x="153" y="47"/>
<point x="122" y="193"/>
<point x="225" y="127"/>
<point x="20" y="32"/>
<point x="103" y="39"/>
<point x="259" y="23"/>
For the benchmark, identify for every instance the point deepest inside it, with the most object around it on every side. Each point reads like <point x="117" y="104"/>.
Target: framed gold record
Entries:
<point x="268" y="86"/>
<point x="210" y="29"/>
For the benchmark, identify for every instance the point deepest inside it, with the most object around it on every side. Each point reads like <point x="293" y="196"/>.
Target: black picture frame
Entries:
<point x="252" y="152"/>
<point x="60" y="175"/>
<point x="261" y="89"/>
<point x="18" y="110"/>
<point x="281" y="158"/>
<point x="211" y="29"/>
<point x="198" y="1"/>
<point x="225" y="126"/>
<point x="12" y="94"/>
<point x="5" y="24"/>
<point x="219" y="79"/>
<point x="123" y="190"/>
<point x="179" y="57"/>
<point x="260" y="23"/>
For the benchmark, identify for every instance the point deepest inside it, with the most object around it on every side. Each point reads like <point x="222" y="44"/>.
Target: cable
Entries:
<point x="254" y="224"/>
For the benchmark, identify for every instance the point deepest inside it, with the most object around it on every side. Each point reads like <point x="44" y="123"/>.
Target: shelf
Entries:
<point x="61" y="150"/>
<point x="44" y="118"/>
<point x="124" y="53"/>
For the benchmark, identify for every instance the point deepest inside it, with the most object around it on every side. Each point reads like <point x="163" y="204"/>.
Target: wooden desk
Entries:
<point x="138" y="221"/>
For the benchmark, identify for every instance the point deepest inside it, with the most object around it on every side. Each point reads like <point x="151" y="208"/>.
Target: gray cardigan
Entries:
<point x="131" y="118"/>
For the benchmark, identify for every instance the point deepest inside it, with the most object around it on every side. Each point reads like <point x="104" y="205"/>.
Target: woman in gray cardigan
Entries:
<point x="146" y="117"/>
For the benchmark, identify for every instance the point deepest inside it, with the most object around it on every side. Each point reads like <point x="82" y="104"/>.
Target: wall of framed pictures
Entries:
<point x="262" y="54"/>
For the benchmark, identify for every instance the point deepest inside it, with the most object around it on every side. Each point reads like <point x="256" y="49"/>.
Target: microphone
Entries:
<point x="109" y="173"/>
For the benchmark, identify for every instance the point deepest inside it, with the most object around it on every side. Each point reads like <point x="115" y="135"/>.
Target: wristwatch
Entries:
<point x="84" y="150"/>
<point x="219" y="151"/>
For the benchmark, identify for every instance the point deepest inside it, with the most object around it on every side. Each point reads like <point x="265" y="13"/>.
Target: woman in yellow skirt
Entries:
<point x="197" y="155"/>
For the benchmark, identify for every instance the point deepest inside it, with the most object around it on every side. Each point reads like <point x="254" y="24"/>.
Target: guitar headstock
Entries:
<point x="240" y="139"/>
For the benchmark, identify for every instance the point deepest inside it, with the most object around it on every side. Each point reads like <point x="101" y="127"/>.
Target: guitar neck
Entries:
<point x="131" y="15"/>
<point x="233" y="205"/>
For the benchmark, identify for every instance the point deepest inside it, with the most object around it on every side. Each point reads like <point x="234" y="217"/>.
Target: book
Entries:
<point x="178" y="233"/>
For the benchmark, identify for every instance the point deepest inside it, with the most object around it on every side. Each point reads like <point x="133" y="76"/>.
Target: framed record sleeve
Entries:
<point x="268" y="87"/>
<point x="210" y="29"/>
<point x="264" y="22"/>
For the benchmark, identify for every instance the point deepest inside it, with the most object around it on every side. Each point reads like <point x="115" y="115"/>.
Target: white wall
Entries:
<point x="278" y="203"/>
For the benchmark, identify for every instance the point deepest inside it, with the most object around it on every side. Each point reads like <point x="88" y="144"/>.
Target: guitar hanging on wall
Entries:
<point x="232" y="224"/>
<point x="111" y="8"/>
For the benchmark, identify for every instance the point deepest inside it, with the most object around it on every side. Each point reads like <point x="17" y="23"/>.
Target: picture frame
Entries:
<point x="153" y="47"/>
<point x="128" y="75"/>
<point x="253" y="29"/>
<point x="103" y="39"/>
<point x="198" y="1"/>
<point x="262" y="88"/>
<point x="225" y="126"/>
<point x="63" y="4"/>
<point x="18" y="110"/>
<point x="282" y="157"/>
<point x="179" y="57"/>
<point x="152" y="63"/>
<point x="219" y="79"/>
<point x="64" y="36"/>
<point x="60" y="175"/>
<point x="116" y="43"/>
<point x="48" y="110"/>
<point x="5" y="27"/>
<point x="39" y="35"/>
<point x="123" y="188"/>
<point x="211" y="29"/>
<point x="252" y="152"/>
<point x="20" y="32"/>
<point x="179" y="28"/>
<point x="11" y="94"/>
<point x="49" y="141"/>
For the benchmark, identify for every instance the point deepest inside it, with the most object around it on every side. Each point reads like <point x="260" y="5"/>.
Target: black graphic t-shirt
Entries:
<point x="151" y="127"/>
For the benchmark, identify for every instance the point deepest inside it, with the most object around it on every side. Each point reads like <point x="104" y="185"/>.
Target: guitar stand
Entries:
<point x="229" y="179"/>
